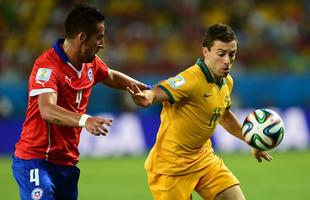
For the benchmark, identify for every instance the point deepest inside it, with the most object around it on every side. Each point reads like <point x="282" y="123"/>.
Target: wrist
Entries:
<point x="83" y="119"/>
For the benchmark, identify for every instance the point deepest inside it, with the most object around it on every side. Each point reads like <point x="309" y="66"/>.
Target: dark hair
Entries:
<point x="83" y="18"/>
<point x="221" y="32"/>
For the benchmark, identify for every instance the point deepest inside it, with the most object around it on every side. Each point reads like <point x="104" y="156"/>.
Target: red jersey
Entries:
<point x="52" y="72"/>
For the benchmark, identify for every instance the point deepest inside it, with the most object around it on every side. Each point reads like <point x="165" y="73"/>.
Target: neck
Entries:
<point x="215" y="78"/>
<point x="72" y="53"/>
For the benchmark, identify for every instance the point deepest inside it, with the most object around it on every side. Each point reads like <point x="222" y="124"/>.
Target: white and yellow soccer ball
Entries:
<point x="263" y="129"/>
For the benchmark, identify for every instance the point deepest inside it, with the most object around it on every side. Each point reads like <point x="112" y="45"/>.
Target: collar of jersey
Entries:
<point x="57" y="47"/>
<point x="200" y="62"/>
<point x="60" y="52"/>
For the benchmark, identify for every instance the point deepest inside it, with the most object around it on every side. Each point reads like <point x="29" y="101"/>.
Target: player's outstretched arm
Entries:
<point x="231" y="124"/>
<point x="120" y="80"/>
<point x="53" y="113"/>
<point x="146" y="98"/>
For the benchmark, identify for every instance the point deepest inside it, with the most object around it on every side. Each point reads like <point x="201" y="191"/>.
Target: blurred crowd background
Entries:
<point x="154" y="39"/>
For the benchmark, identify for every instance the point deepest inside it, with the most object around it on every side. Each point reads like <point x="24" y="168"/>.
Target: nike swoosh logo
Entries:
<point x="207" y="95"/>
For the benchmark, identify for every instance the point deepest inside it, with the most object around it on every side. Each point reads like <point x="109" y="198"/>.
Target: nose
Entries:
<point x="227" y="59"/>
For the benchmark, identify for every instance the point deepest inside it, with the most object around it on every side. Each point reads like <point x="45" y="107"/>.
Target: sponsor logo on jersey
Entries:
<point x="68" y="79"/>
<point x="43" y="74"/>
<point x="41" y="83"/>
<point x="208" y="94"/>
<point x="176" y="81"/>
<point x="90" y="74"/>
<point x="36" y="193"/>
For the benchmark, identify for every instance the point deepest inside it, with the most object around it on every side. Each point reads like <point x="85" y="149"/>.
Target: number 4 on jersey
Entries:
<point x="34" y="176"/>
<point x="78" y="98"/>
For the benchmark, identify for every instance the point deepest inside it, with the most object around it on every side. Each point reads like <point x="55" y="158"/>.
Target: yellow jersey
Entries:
<point x="188" y="120"/>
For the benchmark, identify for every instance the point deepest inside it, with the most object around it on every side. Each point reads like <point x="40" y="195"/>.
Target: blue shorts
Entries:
<point x="39" y="179"/>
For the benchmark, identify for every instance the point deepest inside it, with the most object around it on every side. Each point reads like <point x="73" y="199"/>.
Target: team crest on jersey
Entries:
<point x="227" y="99"/>
<point x="176" y="81"/>
<point x="90" y="74"/>
<point x="36" y="193"/>
<point x="43" y="74"/>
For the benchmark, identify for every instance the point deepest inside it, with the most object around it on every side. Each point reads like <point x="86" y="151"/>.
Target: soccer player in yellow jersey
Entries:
<point x="194" y="103"/>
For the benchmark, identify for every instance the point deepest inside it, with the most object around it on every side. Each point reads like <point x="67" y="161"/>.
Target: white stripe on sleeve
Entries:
<point x="40" y="91"/>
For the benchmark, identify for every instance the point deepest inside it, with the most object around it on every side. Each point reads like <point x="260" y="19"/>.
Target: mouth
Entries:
<point x="226" y="70"/>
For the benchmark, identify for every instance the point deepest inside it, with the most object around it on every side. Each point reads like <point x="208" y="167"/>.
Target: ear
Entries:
<point x="82" y="37"/>
<point x="205" y="51"/>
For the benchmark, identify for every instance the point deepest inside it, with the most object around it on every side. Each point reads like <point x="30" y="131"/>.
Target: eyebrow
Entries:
<point x="234" y="50"/>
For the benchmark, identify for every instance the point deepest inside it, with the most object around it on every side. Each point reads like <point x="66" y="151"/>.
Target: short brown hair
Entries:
<point x="221" y="32"/>
<point x="83" y="18"/>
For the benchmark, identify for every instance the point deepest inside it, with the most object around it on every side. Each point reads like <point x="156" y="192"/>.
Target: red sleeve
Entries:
<point x="102" y="70"/>
<point x="43" y="78"/>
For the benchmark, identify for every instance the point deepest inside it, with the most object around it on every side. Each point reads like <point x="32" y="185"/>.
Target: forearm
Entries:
<point x="231" y="124"/>
<point x="55" y="114"/>
<point x="120" y="80"/>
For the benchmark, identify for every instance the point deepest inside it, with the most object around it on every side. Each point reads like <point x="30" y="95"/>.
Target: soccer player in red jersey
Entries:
<point x="60" y="85"/>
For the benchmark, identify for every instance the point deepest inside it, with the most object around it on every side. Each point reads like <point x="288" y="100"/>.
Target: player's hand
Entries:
<point x="140" y="98"/>
<point x="258" y="154"/>
<point x="142" y="86"/>
<point x="97" y="125"/>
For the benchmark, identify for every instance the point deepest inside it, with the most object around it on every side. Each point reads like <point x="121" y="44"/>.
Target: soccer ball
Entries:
<point x="263" y="129"/>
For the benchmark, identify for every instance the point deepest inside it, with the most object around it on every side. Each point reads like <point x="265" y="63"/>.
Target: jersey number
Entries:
<point x="215" y="116"/>
<point x="34" y="176"/>
<point x="78" y="98"/>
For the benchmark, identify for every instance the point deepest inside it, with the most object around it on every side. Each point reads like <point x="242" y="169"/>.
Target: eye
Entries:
<point x="232" y="55"/>
<point x="99" y="37"/>
<point x="221" y="54"/>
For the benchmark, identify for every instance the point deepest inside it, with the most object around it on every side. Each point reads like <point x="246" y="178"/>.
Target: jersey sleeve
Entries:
<point x="179" y="87"/>
<point x="43" y="78"/>
<point x="102" y="70"/>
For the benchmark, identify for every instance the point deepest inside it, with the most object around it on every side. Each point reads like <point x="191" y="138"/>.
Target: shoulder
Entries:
<point x="229" y="81"/>
<point x="229" y="78"/>
<point x="48" y="59"/>
<point x="100" y="69"/>
<point x="99" y="62"/>
<point x="46" y="65"/>
<point x="193" y="71"/>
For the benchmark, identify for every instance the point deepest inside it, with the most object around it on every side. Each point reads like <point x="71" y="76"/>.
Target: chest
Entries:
<point x="75" y="89"/>
<point x="211" y="101"/>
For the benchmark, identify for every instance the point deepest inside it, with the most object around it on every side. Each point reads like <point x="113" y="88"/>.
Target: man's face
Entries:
<point x="220" y="58"/>
<point x="93" y="44"/>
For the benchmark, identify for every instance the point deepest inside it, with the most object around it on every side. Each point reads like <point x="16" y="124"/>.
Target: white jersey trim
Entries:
<point x="79" y="73"/>
<point x="36" y="92"/>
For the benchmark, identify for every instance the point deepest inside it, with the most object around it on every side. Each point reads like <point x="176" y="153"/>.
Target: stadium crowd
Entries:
<point x="160" y="37"/>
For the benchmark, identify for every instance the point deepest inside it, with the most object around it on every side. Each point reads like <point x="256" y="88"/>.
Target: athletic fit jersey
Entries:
<point x="52" y="72"/>
<point x="188" y="121"/>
